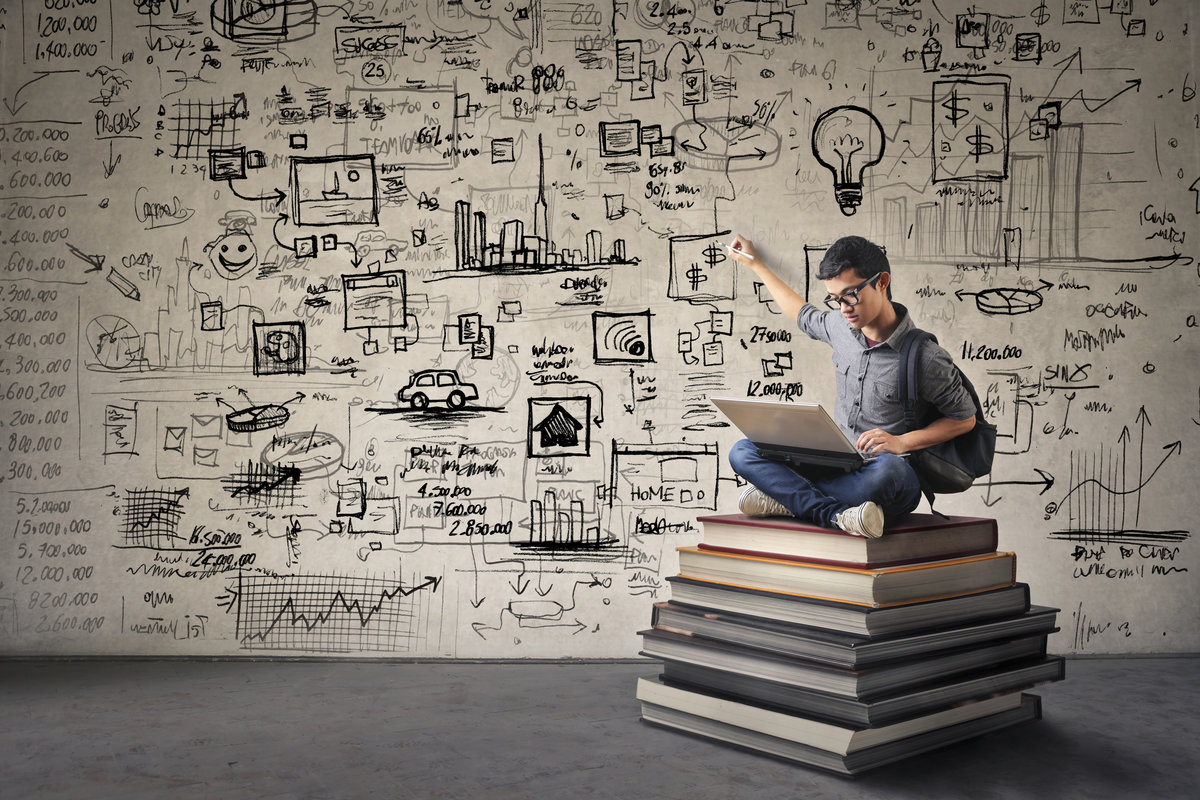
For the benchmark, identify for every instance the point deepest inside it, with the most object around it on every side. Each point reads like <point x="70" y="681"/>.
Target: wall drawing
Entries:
<point x="388" y="328"/>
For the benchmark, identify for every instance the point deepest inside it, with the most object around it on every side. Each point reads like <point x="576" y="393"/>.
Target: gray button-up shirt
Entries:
<point x="868" y="378"/>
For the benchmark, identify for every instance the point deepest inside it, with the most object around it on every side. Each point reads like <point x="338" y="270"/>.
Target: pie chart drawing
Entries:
<point x="115" y="343"/>
<point x="1008" y="302"/>
<point x="316" y="454"/>
<point x="257" y="418"/>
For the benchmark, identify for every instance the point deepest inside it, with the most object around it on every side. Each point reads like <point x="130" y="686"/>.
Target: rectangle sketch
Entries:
<point x="375" y="300"/>
<point x="970" y="129"/>
<point x="334" y="190"/>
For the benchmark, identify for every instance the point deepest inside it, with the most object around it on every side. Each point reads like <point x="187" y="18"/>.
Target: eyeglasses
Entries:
<point x="850" y="296"/>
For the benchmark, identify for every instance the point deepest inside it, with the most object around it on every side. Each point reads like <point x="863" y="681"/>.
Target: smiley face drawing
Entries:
<point x="233" y="255"/>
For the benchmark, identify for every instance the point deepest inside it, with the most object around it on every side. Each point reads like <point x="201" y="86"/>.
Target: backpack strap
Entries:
<point x="909" y="353"/>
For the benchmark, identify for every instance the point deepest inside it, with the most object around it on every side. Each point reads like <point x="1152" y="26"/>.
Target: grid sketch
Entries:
<point x="200" y="126"/>
<point x="332" y="613"/>
<point x="151" y="518"/>
<point x="263" y="484"/>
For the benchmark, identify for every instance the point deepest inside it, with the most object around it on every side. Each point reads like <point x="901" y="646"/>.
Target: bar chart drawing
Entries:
<point x="997" y="195"/>
<point x="556" y="524"/>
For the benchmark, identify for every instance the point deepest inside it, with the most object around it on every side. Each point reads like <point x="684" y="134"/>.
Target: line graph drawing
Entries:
<point x="264" y="485"/>
<point x="151" y="518"/>
<point x="203" y="125"/>
<point x="1104" y="503"/>
<point x="331" y="613"/>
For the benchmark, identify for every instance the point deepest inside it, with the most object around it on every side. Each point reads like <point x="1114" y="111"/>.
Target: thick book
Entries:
<point x="842" y="649"/>
<point x="850" y="617"/>
<point x="855" y="763"/>
<point x="1015" y="676"/>
<point x="916" y="537"/>
<point x="876" y="587"/>
<point x="861" y="684"/>
<point x="837" y="738"/>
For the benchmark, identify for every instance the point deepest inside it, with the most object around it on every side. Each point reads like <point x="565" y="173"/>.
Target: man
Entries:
<point x="865" y="329"/>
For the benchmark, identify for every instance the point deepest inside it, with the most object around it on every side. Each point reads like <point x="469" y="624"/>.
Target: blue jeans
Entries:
<point x="888" y="480"/>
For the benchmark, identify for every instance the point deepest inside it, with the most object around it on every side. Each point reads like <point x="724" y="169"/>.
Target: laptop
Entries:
<point x="802" y="434"/>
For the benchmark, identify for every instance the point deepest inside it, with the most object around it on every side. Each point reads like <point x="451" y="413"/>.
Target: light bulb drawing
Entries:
<point x="847" y="140"/>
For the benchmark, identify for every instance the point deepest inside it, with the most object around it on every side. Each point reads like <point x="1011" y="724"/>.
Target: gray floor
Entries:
<point x="1119" y="728"/>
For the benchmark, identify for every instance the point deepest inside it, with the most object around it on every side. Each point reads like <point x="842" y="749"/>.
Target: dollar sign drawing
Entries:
<point x="712" y="256"/>
<point x="952" y="106"/>
<point x="1041" y="15"/>
<point x="980" y="146"/>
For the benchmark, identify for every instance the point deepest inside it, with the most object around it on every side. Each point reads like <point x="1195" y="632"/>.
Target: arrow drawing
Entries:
<point x="355" y="258"/>
<point x="1046" y="480"/>
<point x="15" y="107"/>
<point x="267" y="483"/>
<point x="1076" y="59"/>
<point x="110" y="166"/>
<point x="278" y="195"/>
<point x="95" y="262"/>
<point x="476" y="599"/>
<point x="275" y="234"/>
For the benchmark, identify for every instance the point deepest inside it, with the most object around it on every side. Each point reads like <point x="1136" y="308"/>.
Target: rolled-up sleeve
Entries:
<point x="814" y="322"/>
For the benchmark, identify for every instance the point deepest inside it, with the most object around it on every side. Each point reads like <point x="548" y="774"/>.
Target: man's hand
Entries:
<point x="936" y="432"/>
<point x="877" y="441"/>
<point x="742" y="251"/>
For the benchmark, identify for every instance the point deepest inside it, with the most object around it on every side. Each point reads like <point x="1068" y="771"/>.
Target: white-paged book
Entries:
<point x="838" y="738"/>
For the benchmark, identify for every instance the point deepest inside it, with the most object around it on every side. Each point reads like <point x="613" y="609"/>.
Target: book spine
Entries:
<point x="719" y="548"/>
<point x="706" y="554"/>
<point x="864" y="604"/>
<point x="855" y="565"/>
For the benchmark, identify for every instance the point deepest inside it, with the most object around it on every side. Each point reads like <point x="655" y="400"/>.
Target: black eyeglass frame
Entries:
<point x="850" y="296"/>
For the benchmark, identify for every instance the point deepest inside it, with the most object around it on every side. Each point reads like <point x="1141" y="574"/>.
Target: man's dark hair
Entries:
<point x="866" y="258"/>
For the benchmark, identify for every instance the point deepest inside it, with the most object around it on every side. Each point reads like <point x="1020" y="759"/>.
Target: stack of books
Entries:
<point x="842" y="652"/>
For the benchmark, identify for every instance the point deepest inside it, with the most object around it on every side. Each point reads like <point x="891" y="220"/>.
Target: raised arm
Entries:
<point x="789" y="301"/>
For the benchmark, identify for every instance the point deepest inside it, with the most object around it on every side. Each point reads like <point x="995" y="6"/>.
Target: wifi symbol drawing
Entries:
<point x="625" y="338"/>
<point x="621" y="338"/>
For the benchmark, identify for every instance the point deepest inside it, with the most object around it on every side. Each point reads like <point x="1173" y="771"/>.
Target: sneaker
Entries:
<point x="753" y="503"/>
<point x="865" y="520"/>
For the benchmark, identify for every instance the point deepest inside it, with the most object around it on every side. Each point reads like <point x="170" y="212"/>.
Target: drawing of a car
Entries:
<point x="439" y="386"/>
